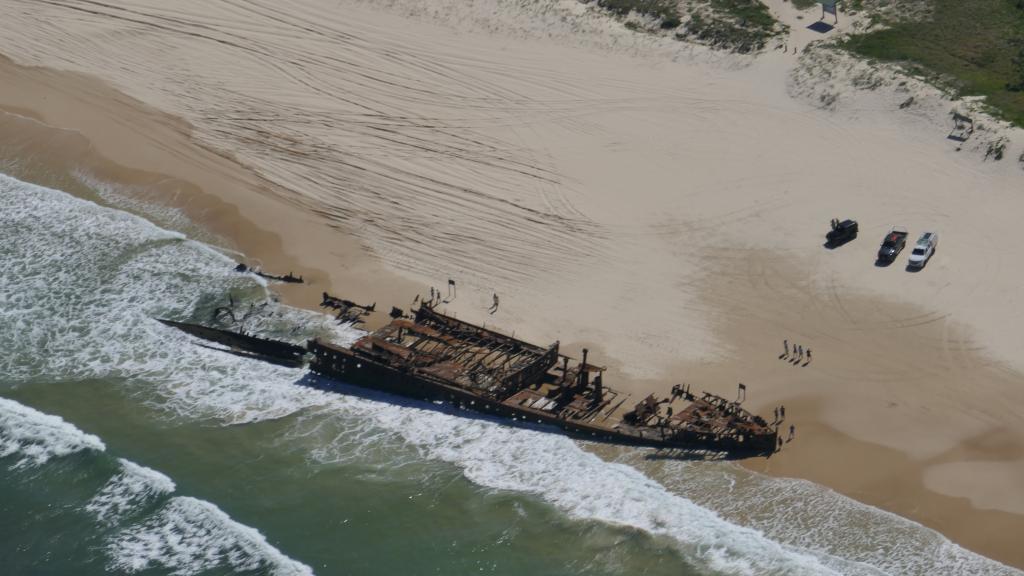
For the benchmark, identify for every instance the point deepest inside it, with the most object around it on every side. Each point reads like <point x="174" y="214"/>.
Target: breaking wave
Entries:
<point x="128" y="491"/>
<point x="725" y="517"/>
<point x="189" y="536"/>
<point x="583" y="486"/>
<point x="32" y="438"/>
<point x="185" y="536"/>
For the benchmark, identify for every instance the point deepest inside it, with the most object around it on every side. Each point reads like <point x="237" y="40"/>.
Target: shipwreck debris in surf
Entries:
<point x="434" y="357"/>
<point x="288" y="278"/>
<point x="224" y="312"/>
<point x="348" y="311"/>
<point x="241" y="344"/>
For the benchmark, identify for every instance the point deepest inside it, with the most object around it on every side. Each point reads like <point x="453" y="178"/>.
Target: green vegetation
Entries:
<point x="976" y="47"/>
<point x="740" y="25"/>
<point x="804" y="4"/>
<point x="665" y="10"/>
<point x="996" y="149"/>
<point x="750" y="13"/>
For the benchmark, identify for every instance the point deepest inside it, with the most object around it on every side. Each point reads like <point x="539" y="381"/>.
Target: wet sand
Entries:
<point x="150" y="156"/>
<point x="654" y="242"/>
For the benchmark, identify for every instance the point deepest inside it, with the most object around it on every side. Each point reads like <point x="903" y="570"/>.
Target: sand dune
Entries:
<point x="662" y="202"/>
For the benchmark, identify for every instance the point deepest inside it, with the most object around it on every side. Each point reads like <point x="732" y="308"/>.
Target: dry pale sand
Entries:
<point x="664" y="204"/>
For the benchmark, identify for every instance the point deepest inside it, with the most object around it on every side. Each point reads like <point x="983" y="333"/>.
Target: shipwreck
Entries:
<point x="430" y="356"/>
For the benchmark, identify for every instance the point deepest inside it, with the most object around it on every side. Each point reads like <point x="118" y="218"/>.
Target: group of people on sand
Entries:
<point x="799" y="353"/>
<point x="436" y="298"/>
<point x="780" y="417"/>
<point x="795" y="354"/>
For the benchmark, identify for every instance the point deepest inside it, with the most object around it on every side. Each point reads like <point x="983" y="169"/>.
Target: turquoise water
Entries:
<point x="126" y="448"/>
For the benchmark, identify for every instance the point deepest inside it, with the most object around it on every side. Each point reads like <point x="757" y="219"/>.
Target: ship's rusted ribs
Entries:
<point x="429" y="317"/>
<point x="424" y="337"/>
<point x="533" y="370"/>
<point x="476" y="357"/>
<point x="440" y="340"/>
<point x="422" y="340"/>
<point x="491" y="352"/>
<point x="468" y="341"/>
<point x="455" y="351"/>
<point x="458" y="356"/>
<point x="434" y="343"/>
<point x="507" y="361"/>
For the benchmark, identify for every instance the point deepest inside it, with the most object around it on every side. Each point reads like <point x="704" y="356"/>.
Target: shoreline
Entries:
<point x="116" y="131"/>
<point x="152" y="158"/>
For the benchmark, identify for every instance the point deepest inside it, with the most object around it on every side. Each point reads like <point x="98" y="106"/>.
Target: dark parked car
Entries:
<point x="841" y="232"/>
<point x="893" y="243"/>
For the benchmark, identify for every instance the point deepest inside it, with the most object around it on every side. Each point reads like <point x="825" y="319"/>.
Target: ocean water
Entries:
<point x="127" y="448"/>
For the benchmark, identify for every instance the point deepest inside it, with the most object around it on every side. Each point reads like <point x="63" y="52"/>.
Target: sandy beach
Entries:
<point x="660" y="203"/>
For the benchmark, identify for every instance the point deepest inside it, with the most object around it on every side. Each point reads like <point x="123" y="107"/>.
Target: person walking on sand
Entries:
<point x="800" y="352"/>
<point x="785" y="347"/>
<point x="808" y="355"/>
<point x="494" y="306"/>
<point x="776" y="414"/>
<point x="782" y="412"/>
<point x="792" y="432"/>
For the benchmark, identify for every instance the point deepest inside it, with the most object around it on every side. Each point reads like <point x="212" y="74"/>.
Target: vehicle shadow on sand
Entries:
<point x="834" y="245"/>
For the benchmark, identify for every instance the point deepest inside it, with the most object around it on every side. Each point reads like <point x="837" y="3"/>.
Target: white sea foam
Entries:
<point x="190" y="536"/>
<point x="34" y="438"/>
<point x="812" y="517"/>
<point x="186" y="536"/>
<point x="583" y="486"/>
<point x="134" y="487"/>
<point x="126" y="198"/>
<point x="80" y="289"/>
<point x="722" y="516"/>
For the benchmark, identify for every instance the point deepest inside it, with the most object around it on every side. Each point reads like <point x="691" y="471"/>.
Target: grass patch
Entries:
<point x="805" y="4"/>
<point x="750" y="13"/>
<point x="740" y="25"/>
<point x="977" y="45"/>
<point x="996" y="149"/>
<point x="667" y="11"/>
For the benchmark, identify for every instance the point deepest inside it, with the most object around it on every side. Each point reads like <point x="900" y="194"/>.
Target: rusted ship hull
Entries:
<point x="437" y="358"/>
<point x="348" y="367"/>
<point x="266" y="350"/>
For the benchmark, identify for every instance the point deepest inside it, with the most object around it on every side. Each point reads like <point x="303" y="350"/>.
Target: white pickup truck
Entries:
<point x="923" y="250"/>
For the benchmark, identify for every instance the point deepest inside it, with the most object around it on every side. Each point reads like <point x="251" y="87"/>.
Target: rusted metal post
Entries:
<point x="583" y="370"/>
